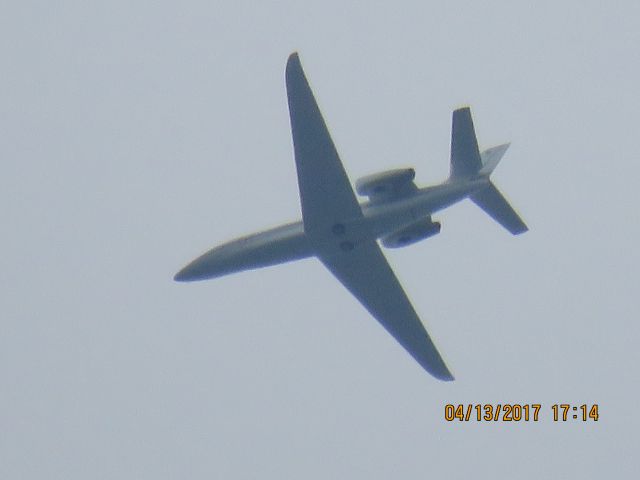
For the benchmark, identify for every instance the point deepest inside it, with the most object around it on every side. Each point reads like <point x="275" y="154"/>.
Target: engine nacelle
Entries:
<point x="385" y="183"/>
<point x="411" y="234"/>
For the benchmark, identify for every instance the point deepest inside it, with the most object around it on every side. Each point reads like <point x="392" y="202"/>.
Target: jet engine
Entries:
<point x="389" y="184"/>
<point x="411" y="234"/>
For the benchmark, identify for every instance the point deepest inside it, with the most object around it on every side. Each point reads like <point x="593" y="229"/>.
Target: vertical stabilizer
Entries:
<point x="465" y="156"/>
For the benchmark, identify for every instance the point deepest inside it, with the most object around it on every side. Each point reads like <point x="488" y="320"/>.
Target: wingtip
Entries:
<point x="462" y="108"/>
<point x="293" y="67"/>
<point x="293" y="58"/>
<point x="439" y="370"/>
<point x="444" y="375"/>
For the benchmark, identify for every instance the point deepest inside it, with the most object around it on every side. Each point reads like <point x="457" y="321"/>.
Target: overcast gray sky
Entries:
<point x="136" y="135"/>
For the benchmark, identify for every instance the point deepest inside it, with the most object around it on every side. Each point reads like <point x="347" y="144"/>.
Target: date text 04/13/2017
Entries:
<point x="516" y="412"/>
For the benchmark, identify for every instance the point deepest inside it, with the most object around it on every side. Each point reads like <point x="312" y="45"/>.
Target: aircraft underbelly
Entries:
<point x="271" y="247"/>
<point x="388" y="217"/>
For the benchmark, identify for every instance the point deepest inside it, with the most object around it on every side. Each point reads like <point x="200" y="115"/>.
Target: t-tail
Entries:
<point x="467" y="162"/>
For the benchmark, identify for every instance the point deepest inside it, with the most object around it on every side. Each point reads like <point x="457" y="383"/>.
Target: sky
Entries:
<point x="136" y="135"/>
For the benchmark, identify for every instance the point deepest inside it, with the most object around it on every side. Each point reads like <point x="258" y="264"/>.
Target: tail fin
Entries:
<point x="468" y="162"/>
<point x="466" y="159"/>
<point x="465" y="156"/>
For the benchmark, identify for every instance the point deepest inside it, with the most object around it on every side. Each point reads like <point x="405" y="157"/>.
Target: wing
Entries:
<point x="325" y="192"/>
<point x="366" y="274"/>
<point x="331" y="215"/>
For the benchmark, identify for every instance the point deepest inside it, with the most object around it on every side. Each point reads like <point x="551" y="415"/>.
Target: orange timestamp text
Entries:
<point x="516" y="412"/>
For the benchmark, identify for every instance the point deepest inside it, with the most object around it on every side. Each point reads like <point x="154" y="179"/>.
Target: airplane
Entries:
<point x="343" y="233"/>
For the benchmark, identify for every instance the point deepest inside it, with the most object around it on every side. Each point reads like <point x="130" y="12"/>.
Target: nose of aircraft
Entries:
<point x="204" y="267"/>
<point x="214" y="263"/>
<point x="187" y="274"/>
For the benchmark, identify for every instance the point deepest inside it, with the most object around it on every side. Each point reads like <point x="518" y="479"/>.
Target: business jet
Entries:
<point x="343" y="233"/>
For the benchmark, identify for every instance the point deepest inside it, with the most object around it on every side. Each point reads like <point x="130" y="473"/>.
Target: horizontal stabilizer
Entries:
<point x="491" y="201"/>
<point x="491" y="157"/>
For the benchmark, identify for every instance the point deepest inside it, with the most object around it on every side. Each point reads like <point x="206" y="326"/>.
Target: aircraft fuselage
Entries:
<point x="288" y="242"/>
